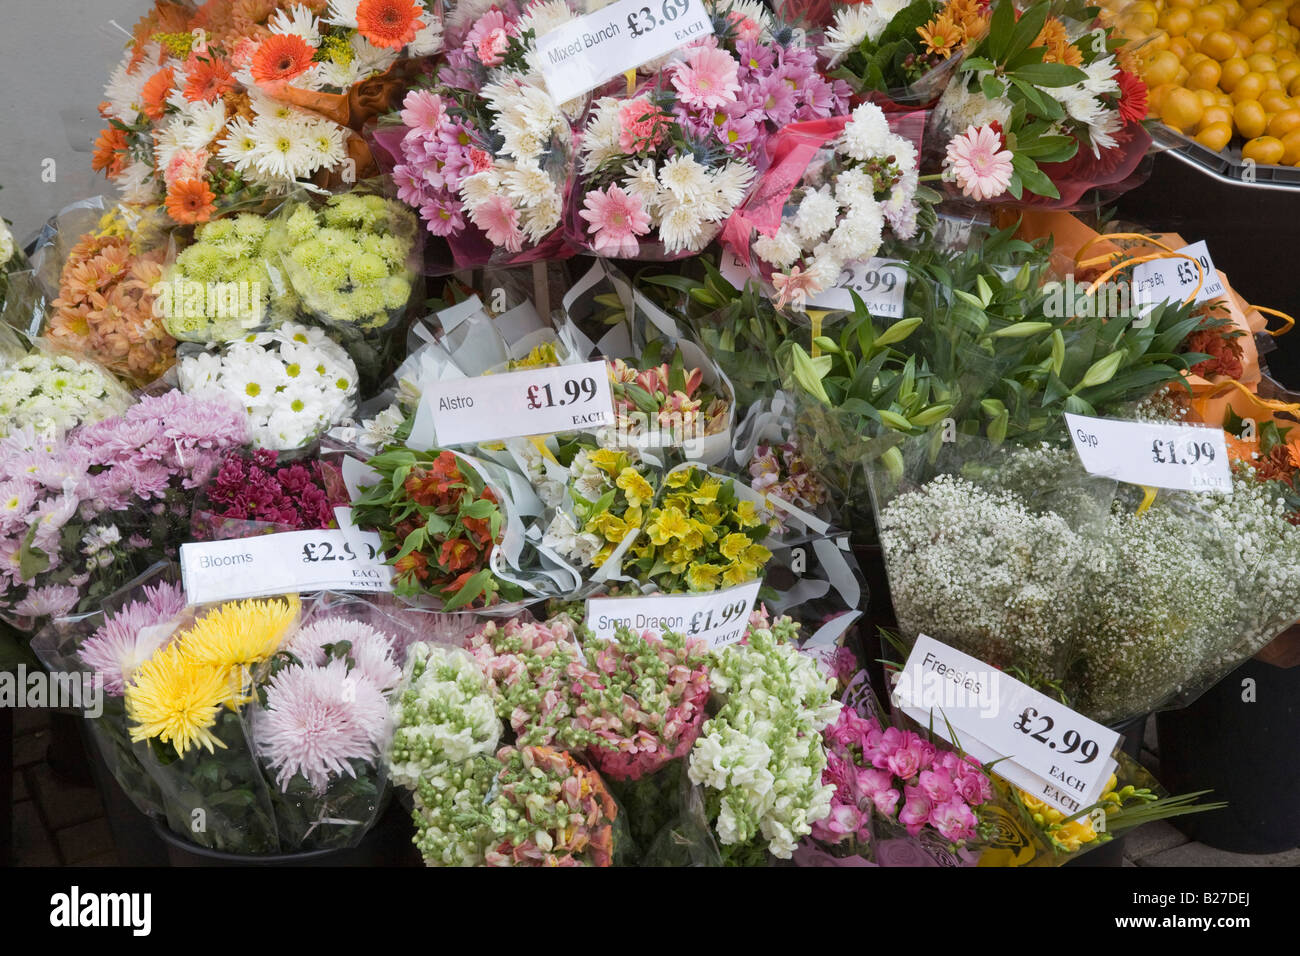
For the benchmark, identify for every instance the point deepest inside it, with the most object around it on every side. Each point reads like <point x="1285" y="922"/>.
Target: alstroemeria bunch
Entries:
<point x="761" y="756"/>
<point x="700" y="535"/>
<point x="105" y="307"/>
<point x="781" y="471"/>
<point x="294" y="382"/>
<point x="643" y="695"/>
<point x="254" y="492"/>
<point x="438" y="521"/>
<point x="611" y="490"/>
<point x="840" y="210"/>
<point x="54" y="393"/>
<point x="667" y="398"/>
<point x="902" y="777"/>
<point x="485" y="150"/>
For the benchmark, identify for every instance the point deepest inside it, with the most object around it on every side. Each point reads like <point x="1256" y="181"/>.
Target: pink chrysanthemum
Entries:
<point x="707" y="79"/>
<point x="51" y="600"/>
<point x="317" y="720"/>
<point x="499" y="221"/>
<point x="371" y="650"/>
<point x="615" y="219"/>
<point x="979" y="163"/>
<point x="130" y="637"/>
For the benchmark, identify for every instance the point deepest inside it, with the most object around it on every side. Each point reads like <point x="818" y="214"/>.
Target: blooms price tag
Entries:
<point x="718" y="617"/>
<point x="583" y="53"/>
<point x="879" y="282"/>
<point x="287" y="563"/>
<point x="1172" y="280"/>
<point x="541" y="401"/>
<point x="1158" y="455"/>
<point x="1054" y="753"/>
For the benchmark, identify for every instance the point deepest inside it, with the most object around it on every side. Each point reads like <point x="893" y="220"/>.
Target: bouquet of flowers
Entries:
<point x="666" y="401"/>
<point x="255" y="494"/>
<point x="105" y="308"/>
<point x="781" y="471"/>
<point x="294" y="382"/>
<point x="53" y="393"/>
<point x="761" y="756"/>
<point x="484" y="152"/>
<point x="439" y="523"/>
<point x="607" y="494"/>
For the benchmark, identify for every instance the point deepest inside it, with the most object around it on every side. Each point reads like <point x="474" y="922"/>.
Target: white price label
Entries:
<point x="539" y="401"/>
<point x="1155" y="454"/>
<point x="583" y="53"/>
<point x="1172" y="280"/>
<point x="879" y="282"/>
<point x="733" y="270"/>
<point x="719" y="617"/>
<point x="289" y="563"/>
<point x="1050" y="750"/>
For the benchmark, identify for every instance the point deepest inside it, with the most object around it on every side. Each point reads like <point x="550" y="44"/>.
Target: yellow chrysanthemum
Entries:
<point x="176" y="700"/>
<point x="635" y="487"/>
<point x="240" y="633"/>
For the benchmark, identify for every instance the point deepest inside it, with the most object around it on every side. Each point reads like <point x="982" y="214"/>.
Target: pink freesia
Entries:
<point x="937" y="785"/>
<point x="916" y="810"/>
<point x="706" y="79"/>
<point x="615" y="219"/>
<point x="953" y="819"/>
<point x="979" y="163"/>
<point x="499" y="221"/>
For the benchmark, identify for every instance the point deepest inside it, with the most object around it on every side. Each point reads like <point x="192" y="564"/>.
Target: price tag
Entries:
<point x="879" y="282"/>
<point x="719" y="617"/>
<point x="733" y="270"/>
<point x="1172" y="280"/>
<point x="540" y="401"/>
<point x="584" y="53"/>
<point x="1158" y="455"/>
<point x="1055" y="753"/>
<point x="288" y="563"/>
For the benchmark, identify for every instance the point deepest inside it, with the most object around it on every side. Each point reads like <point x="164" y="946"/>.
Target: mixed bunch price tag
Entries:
<point x="540" y="401"/>
<point x="718" y="617"/>
<point x="1043" y="747"/>
<point x="289" y="563"/>
<point x="880" y="283"/>
<point x="584" y="53"/>
<point x="1155" y="454"/>
<point x="1172" y="280"/>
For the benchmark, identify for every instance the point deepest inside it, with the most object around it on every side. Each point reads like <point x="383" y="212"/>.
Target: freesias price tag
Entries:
<point x="583" y="53"/>
<point x="880" y="283"/>
<point x="1172" y="280"/>
<point x="287" y="563"/>
<point x="541" y="401"/>
<point x="718" y="617"/>
<point x="1155" y="454"/>
<point x="1049" y="750"/>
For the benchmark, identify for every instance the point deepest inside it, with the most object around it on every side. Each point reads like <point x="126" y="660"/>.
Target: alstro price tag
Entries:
<point x="288" y="563"/>
<point x="719" y="617"/>
<point x="1172" y="280"/>
<point x="1050" y="750"/>
<point x="879" y="282"/>
<point x="1155" y="454"/>
<point x="540" y="401"/>
<point x="584" y="53"/>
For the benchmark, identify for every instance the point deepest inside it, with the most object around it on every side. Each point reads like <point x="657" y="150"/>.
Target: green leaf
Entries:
<point x="479" y="509"/>
<point x="1050" y="75"/>
<point x="1034" y="179"/>
<point x="1001" y="25"/>
<point x="416" y="539"/>
<point x="1026" y="30"/>
<point x="992" y="87"/>
<point x="470" y="591"/>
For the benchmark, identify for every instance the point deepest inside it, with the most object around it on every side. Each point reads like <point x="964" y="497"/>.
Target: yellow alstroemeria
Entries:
<point x="756" y="556"/>
<point x="711" y="514"/>
<point x="747" y="515"/>
<point x="679" y="479"/>
<point x="633" y="516"/>
<point x="734" y="545"/>
<point x="707" y="491"/>
<point x="703" y="577"/>
<point x="611" y="527"/>
<point x="737" y="573"/>
<point x="608" y="460"/>
<point x="601" y="556"/>
<point x="635" y="487"/>
<point x="667" y="524"/>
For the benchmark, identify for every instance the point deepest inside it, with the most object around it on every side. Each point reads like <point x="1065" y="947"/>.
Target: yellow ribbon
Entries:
<point x="815" y="317"/>
<point x="630" y="76"/>
<point x="1290" y="322"/>
<point x="1127" y="260"/>
<point x="1148" y="497"/>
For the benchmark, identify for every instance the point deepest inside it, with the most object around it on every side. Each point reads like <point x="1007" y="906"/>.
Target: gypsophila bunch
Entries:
<point x="838" y="213"/>
<point x="348" y="260"/>
<point x="54" y="393"/>
<point x="443" y="717"/>
<point x="611" y="492"/>
<point x="294" y="382"/>
<point x="761" y="757"/>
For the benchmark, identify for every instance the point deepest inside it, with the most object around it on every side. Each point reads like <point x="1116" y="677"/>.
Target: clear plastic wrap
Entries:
<point x="51" y="392"/>
<point x="262" y="494"/>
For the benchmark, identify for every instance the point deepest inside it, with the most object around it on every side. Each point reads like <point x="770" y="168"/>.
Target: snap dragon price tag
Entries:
<point x="288" y="563"/>
<point x="879" y="282"/>
<point x="719" y="617"/>
<point x="1051" y="751"/>
<point x="1155" y="454"/>
<point x="1172" y="280"/>
<point x="583" y="53"/>
<point x="539" y="401"/>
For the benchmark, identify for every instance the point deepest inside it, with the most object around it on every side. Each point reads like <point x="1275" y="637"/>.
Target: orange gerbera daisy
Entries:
<point x="208" y="79"/>
<point x="110" y="152"/>
<point x="1057" y="42"/>
<point x="390" y="23"/>
<point x="190" y="201"/>
<point x="281" y="57"/>
<point x="156" y="90"/>
<point x="941" y="35"/>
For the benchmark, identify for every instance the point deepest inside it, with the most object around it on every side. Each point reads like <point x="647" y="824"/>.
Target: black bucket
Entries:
<point x="1245" y="751"/>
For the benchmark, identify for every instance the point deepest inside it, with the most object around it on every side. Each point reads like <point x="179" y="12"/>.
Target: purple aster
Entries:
<point x="130" y="636"/>
<point x="50" y="601"/>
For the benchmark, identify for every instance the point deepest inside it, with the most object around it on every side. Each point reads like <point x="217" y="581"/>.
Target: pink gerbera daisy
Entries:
<point x="488" y="38"/>
<point x="707" y="79"/>
<point x="423" y="111"/>
<point x="615" y="220"/>
<point x="499" y="221"/>
<point x="979" y="163"/>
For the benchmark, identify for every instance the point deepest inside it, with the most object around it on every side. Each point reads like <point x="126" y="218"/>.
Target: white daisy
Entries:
<point x="282" y="150"/>
<point x="296" y="21"/>
<point x="685" y="178"/>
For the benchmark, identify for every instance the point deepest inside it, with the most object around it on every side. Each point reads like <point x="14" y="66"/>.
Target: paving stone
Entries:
<point x="1152" y="838"/>
<point x="63" y="804"/>
<point x="101" y="859"/>
<point x="29" y="720"/>
<point x="1198" y="854"/>
<point x="20" y="791"/>
<point x="33" y="846"/>
<point x="30" y="748"/>
<point x="85" y="840"/>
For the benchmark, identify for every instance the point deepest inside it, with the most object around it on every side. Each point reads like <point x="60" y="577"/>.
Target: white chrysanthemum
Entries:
<point x="205" y="121"/>
<point x="239" y="144"/>
<point x="731" y="182"/>
<point x="138" y="185"/>
<point x="296" y="21"/>
<point x="1080" y="104"/>
<point x="324" y="140"/>
<point x="1101" y="77"/>
<point x="781" y="250"/>
<point x="264" y="106"/>
<point x="6" y="243"/>
<point x="854" y="187"/>
<point x="428" y="39"/>
<point x="479" y="188"/>
<point x="1100" y="131"/>
<point x="343" y="13"/>
<point x="865" y="135"/>
<point x="640" y="180"/>
<point x="860" y="232"/>
<point x="600" y="140"/>
<point x="888" y="9"/>
<point x="960" y="107"/>
<point x="685" y="178"/>
<point x="370" y="59"/>
<point x="545" y="16"/>
<point x="540" y="219"/>
<point x="527" y="185"/>
<point x="124" y="92"/>
<point x="682" y="229"/>
<point x="282" y="150"/>
<point x="521" y="142"/>
<point x="853" y="24"/>
<point x="816" y="215"/>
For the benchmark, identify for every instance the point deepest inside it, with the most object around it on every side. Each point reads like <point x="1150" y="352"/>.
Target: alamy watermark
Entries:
<point x="191" y="299"/>
<point x="65" y="690"/>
